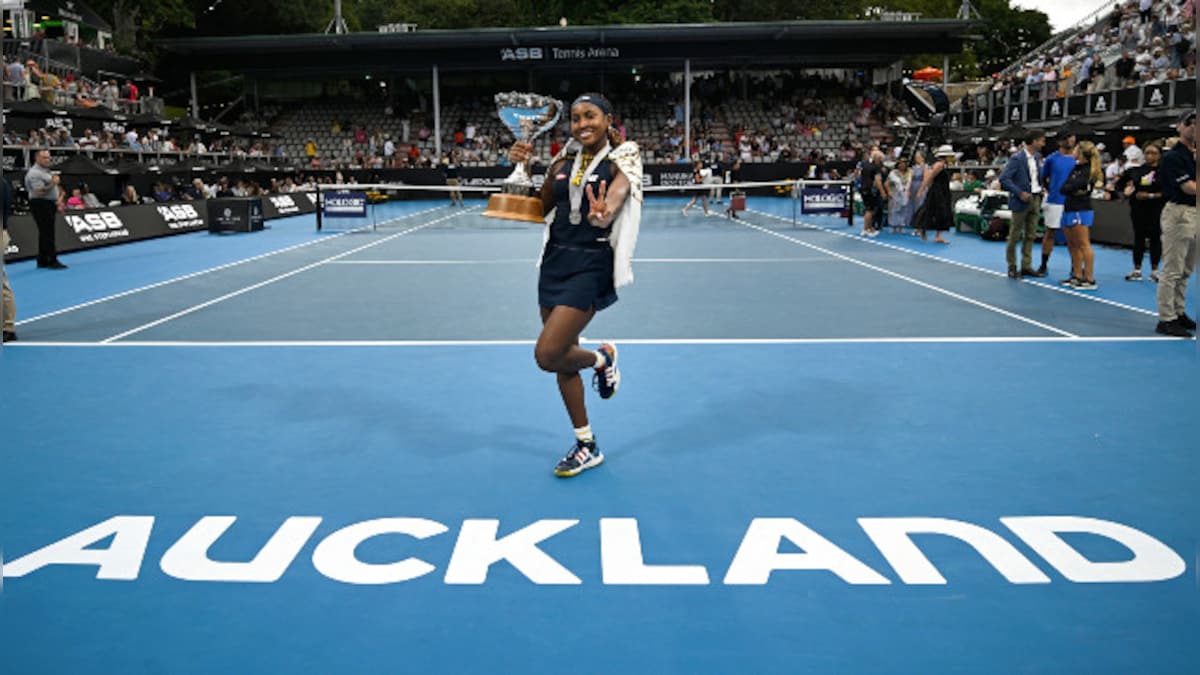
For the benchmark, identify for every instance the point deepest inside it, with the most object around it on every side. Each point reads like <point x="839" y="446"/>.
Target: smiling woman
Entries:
<point x="587" y="254"/>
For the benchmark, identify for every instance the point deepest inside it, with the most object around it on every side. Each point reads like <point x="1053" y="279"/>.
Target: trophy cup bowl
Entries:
<point x="527" y="116"/>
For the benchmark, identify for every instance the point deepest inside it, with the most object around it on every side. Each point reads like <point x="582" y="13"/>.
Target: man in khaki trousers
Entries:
<point x="1178" y="170"/>
<point x="8" y="316"/>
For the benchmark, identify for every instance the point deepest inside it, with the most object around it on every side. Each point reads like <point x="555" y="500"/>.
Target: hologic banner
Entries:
<point x="822" y="200"/>
<point x="344" y="204"/>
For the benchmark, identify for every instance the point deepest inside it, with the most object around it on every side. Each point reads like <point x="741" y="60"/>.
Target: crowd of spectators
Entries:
<point x="1138" y="42"/>
<point x="776" y="117"/>
<point x="146" y="140"/>
<point x="25" y="80"/>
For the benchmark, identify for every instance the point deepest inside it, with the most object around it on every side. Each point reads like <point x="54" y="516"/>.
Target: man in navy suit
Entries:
<point x="1021" y="179"/>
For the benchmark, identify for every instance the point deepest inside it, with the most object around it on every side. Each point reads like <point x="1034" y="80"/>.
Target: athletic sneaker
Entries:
<point x="1135" y="275"/>
<point x="582" y="456"/>
<point x="1154" y="276"/>
<point x="1084" y="285"/>
<point x="1069" y="281"/>
<point x="608" y="378"/>
<point x="1172" y="328"/>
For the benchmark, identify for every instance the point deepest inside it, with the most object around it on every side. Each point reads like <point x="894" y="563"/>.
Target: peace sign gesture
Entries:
<point x="598" y="210"/>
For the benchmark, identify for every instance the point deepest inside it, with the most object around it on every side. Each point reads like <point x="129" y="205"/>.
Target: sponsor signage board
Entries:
<point x="822" y="200"/>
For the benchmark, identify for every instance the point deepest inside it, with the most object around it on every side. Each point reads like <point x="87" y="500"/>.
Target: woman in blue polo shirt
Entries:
<point x="1078" y="215"/>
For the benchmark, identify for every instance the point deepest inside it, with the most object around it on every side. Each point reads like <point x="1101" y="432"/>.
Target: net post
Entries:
<point x="318" y="207"/>
<point x="797" y="194"/>
<point x="850" y="204"/>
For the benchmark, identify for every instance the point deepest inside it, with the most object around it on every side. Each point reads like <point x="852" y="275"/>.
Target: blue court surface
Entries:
<point x="294" y="451"/>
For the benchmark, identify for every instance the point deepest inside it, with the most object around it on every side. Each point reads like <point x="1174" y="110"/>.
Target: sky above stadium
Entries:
<point x="1062" y="13"/>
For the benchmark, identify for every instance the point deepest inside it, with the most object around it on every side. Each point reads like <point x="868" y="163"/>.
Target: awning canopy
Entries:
<point x="73" y="10"/>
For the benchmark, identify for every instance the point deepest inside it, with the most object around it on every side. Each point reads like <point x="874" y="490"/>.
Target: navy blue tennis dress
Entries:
<point x="577" y="264"/>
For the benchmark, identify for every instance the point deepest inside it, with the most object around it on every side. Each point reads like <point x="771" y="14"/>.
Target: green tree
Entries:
<point x="1006" y="32"/>
<point x="786" y="10"/>
<point x="135" y="21"/>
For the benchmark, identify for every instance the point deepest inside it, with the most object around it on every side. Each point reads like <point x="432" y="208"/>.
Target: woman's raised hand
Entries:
<point x="520" y="152"/>
<point x="597" y="205"/>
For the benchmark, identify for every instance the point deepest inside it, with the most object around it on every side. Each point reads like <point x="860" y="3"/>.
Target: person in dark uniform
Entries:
<point x="1142" y="186"/>
<point x="873" y="193"/>
<point x="42" y="188"/>
<point x="1178" y="231"/>
<point x="594" y="189"/>
<point x="936" y="212"/>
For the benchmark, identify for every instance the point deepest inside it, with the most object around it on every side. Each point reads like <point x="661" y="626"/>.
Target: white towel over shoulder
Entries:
<point x="623" y="237"/>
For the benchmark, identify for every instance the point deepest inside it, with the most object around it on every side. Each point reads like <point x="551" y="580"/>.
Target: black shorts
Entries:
<point x="577" y="277"/>
<point x="872" y="202"/>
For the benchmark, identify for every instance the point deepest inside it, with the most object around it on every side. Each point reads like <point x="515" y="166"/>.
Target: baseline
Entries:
<point x="620" y="341"/>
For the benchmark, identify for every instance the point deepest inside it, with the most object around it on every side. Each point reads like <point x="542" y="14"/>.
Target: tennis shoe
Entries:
<point x="607" y="378"/>
<point x="1135" y="275"/>
<point x="582" y="456"/>
<point x="1172" y="328"/>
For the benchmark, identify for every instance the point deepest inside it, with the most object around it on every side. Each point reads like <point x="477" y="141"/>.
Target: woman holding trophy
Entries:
<point x="594" y="188"/>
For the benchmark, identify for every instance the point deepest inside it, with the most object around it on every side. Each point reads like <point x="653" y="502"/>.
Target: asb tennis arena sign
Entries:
<point x="116" y="549"/>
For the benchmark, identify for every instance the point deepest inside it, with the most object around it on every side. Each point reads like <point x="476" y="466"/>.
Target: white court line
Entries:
<point x="976" y="268"/>
<point x="503" y="261"/>
<point x="218" y="268"/>
<point x="918" y="282"/>
<point x="629" y="341"/>
<point x="279" y="277"/>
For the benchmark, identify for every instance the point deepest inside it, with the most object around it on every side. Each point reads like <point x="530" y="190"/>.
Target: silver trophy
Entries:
<point x="527" y="116"/>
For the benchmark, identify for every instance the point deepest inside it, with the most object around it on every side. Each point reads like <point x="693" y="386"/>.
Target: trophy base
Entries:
<point x="515" y="207"/>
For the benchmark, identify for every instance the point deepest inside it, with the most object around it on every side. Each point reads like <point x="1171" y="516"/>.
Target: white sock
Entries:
<point x="600" y="360"/>
<point x="584" y="434"/>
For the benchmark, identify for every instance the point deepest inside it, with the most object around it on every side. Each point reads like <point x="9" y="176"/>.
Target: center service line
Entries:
<point x="272" y="280"/>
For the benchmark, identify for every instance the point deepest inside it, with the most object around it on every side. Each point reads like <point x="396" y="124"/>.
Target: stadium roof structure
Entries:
<point x="75" y="10"/>
<point x="816" y="44"/>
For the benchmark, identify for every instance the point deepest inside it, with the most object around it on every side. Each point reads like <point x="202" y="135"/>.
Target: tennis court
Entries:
<point x="300" y="451"/>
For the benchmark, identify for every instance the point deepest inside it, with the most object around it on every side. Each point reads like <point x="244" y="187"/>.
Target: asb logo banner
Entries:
<point x="345" y="204"/>
<point x="97" y="226"/>
<point x="180" y="216"/>
<point x="822" y="200"/>
<point x="285" y="205"/>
